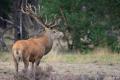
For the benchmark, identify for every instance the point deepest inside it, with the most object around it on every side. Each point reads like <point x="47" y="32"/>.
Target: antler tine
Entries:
<point x="22" y="10"/>
<point x="56" y="22"/>
<point x="46" y="21"/>
<point x="51" y="23"/>
<point x="28" y="9"/>
<point x="35" y="9"/>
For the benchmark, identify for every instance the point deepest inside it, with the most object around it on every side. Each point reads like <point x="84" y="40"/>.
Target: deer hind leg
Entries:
<point x="16" y="65"/>
<point x="16" y="59"/>
<point x="26" y="64"/>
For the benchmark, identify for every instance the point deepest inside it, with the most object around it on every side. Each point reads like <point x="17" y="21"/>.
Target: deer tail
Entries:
<point x="17" y="55"/>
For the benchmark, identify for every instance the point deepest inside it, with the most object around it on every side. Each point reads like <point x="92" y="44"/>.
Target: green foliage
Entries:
<point x="113" y="44"/>
<point x="88" y="22"/>
<point x="5" y="6"/>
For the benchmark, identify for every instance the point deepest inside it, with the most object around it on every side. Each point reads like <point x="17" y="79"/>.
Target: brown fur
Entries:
<point x="31" y="50"/>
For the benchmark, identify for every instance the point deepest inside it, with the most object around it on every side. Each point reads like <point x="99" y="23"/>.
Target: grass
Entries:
<point x="84" y="58"/>
<point x="5" y="56"/>
<point x="98" y="56"/>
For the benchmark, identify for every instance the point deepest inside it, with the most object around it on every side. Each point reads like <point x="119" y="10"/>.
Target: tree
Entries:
<point x="22" y="21"/>
<point x="4" y="11"/>
<point x="87" y="22"/>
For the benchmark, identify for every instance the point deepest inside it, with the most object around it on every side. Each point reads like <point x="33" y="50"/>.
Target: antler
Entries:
<point x="29" y="11"/>
<point x="55" y="22"/>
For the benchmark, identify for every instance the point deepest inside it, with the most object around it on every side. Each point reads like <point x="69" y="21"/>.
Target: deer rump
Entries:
<point x="32" y="49"/>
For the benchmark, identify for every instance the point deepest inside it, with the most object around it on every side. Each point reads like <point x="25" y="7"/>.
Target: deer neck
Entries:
<point x="50" y="42"/>
<point x="50" y="38"/>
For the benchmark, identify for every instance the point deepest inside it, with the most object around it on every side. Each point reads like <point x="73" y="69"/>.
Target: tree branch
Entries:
<point x="6" y="20"/>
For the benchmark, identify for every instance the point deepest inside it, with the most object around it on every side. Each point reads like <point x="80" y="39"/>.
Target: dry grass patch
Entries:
<point x="5" y="56"/>
<point x="98" y="56"/>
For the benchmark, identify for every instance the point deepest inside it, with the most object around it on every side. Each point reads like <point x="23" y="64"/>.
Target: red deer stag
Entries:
<point x="32" y="50"/>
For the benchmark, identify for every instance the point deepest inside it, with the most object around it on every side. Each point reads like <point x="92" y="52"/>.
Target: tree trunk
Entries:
<point x="21" y="21"/>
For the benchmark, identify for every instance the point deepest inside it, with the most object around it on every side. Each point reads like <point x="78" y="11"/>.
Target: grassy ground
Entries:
<point x="97" y="65"/>
<point x="84" y="58"/>
<point x="102" y="56"/>
<point x="98" y="56"/>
